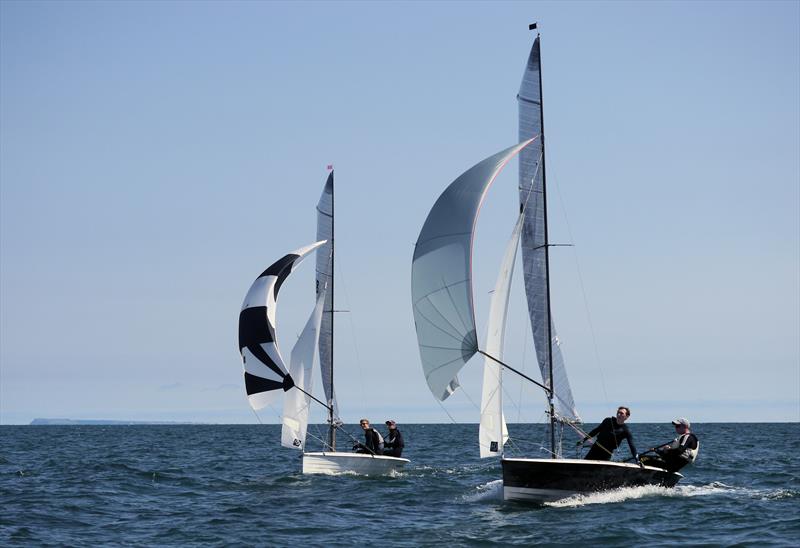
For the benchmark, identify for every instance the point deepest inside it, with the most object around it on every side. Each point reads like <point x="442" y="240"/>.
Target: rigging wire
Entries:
<point x="446" y="411"/>
<point x="476" y="406"/>
<point x="583" y="290"/>
<point x="343" y="284"/>
<point x="518" y="442"/>
<point x="524" y="355"/>
<point x="257" y="417"/>
<point x="523" y="207"/>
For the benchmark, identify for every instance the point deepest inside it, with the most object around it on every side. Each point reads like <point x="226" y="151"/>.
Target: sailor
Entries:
<point x="394" y="440"/>
<point x="679" y="452"/>
<point x="373" y="441"/>
<point x="610" y="434"/>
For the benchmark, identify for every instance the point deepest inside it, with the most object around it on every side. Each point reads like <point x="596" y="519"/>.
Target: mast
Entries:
<point x="332" y="426"/>
<point x="546" y="261"/>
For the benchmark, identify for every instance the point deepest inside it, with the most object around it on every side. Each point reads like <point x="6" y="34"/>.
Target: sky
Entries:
<point x="155" y="157"/>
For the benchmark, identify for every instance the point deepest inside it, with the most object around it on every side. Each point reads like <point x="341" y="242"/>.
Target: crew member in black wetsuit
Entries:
<point x="394" y="440"/>
<point x="679" y="452"/>
<point x="373" y="441"/>
<point x="610" y="434"/>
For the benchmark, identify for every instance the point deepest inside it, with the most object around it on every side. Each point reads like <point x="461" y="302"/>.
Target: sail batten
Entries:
<point x="534" y="237"/>
<point x="441" y="275"/>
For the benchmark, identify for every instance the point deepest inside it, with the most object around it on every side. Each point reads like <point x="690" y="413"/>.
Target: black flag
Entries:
<point x="532" y="26"/>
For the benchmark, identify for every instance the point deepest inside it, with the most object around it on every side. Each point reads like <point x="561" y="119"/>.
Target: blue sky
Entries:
<point x="156" y="156"/>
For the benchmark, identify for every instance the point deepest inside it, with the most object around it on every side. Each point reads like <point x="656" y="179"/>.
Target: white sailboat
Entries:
<point x="266" y="376"/>
<point x="442" y="300"/>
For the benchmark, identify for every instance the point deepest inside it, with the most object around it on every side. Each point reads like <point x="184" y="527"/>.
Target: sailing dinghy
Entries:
<point x="444" y="316"/>
<point x="265" y="373"/>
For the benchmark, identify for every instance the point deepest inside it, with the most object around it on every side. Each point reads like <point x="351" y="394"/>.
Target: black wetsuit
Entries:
<point x="373" y="443"/>
<point x="609" y="435"/>
<point x="394" y="443"/>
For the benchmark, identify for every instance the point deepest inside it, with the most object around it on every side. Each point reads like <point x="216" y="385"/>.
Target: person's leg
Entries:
<point x="596" y="453"/>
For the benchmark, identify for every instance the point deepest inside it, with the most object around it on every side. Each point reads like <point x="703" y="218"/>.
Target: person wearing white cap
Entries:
<point x="681" y="451"/>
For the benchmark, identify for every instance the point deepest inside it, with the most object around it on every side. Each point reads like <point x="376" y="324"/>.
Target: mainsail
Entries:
<point x="265" y="374"/>
<point x="301" y="365"/>
<point x="441" y="275"/>
<point x="325" y="280"/>
<point x="534" y="236"/>
<point x="492" y="432"/>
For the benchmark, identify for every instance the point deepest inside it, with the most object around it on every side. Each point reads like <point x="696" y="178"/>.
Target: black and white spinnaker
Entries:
<point x="265" y="373"/>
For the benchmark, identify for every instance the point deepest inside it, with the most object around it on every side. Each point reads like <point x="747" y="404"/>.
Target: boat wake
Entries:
<point x="719" y="488"/>
<point x="490" y="491"/>
<point x="681" y="491"/>
<point x="612" y="496"/>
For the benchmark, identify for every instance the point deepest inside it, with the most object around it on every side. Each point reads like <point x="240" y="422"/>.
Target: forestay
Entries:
<point x="265" y="374"/>
<point x="324" y="272"/>
<point x="492" y="432"/>
<point x="441" y="277"/>
<point x="534" y="237"/>
<point x="301" y="365"/>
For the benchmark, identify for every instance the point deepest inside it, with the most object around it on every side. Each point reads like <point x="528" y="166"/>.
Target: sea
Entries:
<point x="234" y="485"/>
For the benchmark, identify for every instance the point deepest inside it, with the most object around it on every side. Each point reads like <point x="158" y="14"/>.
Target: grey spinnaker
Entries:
<point x="324" y="278"/>
<point x="534" y="237"/>
<point x="441" y="275"/>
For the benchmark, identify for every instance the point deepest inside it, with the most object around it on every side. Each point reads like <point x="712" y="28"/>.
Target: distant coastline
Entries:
<point x="62" y="422"/>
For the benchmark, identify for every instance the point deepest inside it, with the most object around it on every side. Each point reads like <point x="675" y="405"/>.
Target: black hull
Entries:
<point x="544" y="480"/>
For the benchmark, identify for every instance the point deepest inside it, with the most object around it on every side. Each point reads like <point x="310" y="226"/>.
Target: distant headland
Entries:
<point x="50" y="422"/>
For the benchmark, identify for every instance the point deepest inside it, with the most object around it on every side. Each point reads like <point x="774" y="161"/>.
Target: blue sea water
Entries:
<point x="179" y="485"/>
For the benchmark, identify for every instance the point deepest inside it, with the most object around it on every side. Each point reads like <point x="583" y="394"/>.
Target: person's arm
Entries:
<point x="674" y="444"/>
<point x="596" y="429"/>
<point x="686" y="442"/>
<point x="376" y="443"/>
<point x="369" y="442"/>
<point x="398" y="442"/>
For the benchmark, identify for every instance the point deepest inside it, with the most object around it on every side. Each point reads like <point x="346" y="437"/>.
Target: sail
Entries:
<point x="534" y="237"/>
<point x="441" y="275"/>
<point x="301" y="365"/>
<point x="492" y="432"/>
<point x="325" y="280"/>
<point x="265" y="375"/>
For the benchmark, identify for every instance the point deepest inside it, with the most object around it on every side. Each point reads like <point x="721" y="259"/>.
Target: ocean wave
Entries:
<point x="612" y="496"/>
<point x="491" y="490"/>
<point x="717" y="488"/>
<point x="681" y="491"/>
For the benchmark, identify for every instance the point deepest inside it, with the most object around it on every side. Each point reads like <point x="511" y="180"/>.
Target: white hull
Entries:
<point x="355" y="463"/>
